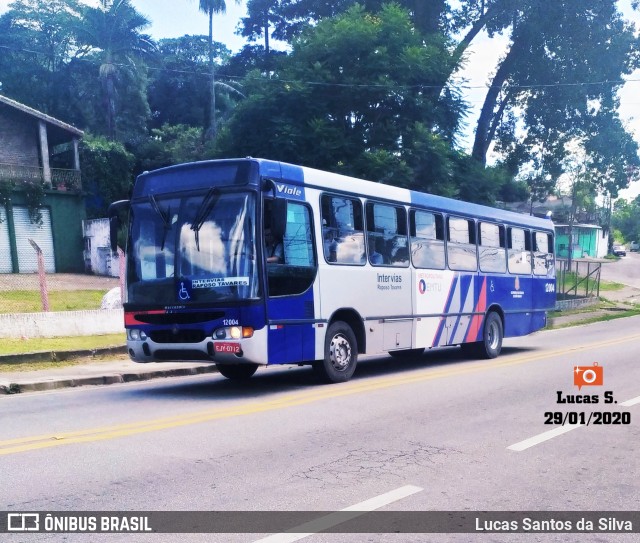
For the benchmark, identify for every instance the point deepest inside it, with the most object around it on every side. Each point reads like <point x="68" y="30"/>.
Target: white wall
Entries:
<point x="99" y="259"/>
<point x="62" y="323"/>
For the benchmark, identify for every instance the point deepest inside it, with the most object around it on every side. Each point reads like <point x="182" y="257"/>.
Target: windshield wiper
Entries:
<point x="208" y="202"/>
<point x="165" y="215"/>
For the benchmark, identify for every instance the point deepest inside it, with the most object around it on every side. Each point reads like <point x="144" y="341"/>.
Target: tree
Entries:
<point x="113" y="35"/>
<point x="354" y="96"/>
<point x="107" y="171"/>
<point x="171" y="144"/>
<point x="559" y="76"/>
<point x="626" y="218"/>
<point x="177" y="92"/>
<point x="38" y="42"/>
<point x="210" y="7"/>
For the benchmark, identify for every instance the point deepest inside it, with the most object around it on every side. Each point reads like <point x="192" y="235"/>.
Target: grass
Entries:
<point x="28" y="301"/>
<point x="19" y="367"/>
<point x="570" y="281"/>
<point x="59" y="344"/>
<point x="599" y="316"/>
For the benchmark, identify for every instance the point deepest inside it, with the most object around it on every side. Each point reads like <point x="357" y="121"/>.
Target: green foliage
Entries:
<point x="107" y="172"/>
<point x="356" y="96"/>
<point x="177" y="91"/>
<point x="543" y="104"/>
<point x="626" y="220"/>
<point x="115" y="44"/>
<point x="171" y="144"/>
<point x="364" y="91"/>
<point x="34" y="198"/>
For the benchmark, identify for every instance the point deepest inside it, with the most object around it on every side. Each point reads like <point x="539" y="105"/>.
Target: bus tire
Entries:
<point x="237" y="372"/>
<point x="340" y="354"/>
<point x="492" y="335"/>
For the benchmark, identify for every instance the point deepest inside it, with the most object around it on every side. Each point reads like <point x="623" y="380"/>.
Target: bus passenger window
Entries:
<point x="427" y="240"/>
<point x="519" y="250"/>
<point x="491" y="245"/>
<point x="461" y="244"/>
<point x="387" y="235"/>
<point x="543" y="254"/>
<point x="342" y="230"/>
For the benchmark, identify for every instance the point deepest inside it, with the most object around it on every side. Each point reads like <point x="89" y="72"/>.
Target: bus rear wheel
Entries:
<point x="492" y="335"/>
<point x="340" y="354"/>
<point x="237" y="371"/>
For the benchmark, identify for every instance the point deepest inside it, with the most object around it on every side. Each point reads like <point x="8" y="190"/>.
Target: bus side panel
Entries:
<point x="474" y="332"/>
<point x="513" y="293"/>
<point x="461" y="309"/>
<point x="433" y="291"/>
<point x="379" y="295"/>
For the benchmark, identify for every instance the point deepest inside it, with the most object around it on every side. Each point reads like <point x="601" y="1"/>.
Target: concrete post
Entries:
<point x="44" y="153"/>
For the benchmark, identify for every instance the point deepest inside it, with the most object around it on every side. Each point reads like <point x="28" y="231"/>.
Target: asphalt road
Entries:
<point x="438" y="433"/>
<point x="625" y="271"/>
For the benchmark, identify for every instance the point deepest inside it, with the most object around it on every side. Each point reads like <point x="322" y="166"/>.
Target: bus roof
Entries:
<point x="309" y="177"/>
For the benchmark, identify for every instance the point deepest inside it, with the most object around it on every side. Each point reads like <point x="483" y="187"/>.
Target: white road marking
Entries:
<point x="545" y="436"/>
<point x="331" y="520"/>
<point x="632" y="401"/>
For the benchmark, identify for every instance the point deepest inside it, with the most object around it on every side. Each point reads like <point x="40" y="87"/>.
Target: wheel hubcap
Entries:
<point x="340" y="352"/>
<point x="493" y="336"/>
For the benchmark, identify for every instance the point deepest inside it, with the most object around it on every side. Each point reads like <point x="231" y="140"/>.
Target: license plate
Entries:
<point x="226" y="347"/>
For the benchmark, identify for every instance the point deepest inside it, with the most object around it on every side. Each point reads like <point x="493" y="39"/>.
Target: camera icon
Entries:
<point x="588" y="375"/>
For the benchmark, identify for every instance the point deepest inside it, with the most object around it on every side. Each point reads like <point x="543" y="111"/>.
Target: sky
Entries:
<point x="175" y="18"/>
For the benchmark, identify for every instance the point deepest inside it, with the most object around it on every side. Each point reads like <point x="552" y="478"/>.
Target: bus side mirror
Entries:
<point x="114" y="222"/>
<point x="114" y="226"/>
<point x="279" y="218"/>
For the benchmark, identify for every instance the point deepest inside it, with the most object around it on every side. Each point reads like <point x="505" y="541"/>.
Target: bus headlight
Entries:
<point x="233" y="332"/>
<point x="136" y="335"/>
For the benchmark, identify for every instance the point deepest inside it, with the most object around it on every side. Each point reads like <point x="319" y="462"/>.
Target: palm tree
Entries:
<point x="114" y="31"/>
<point x="210" y="7"/>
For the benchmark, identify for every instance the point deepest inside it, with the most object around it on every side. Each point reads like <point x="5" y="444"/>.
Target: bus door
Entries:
<point x="544" y="277"/>
<point x="290" y="262"/>
<point x="516" y="290"/>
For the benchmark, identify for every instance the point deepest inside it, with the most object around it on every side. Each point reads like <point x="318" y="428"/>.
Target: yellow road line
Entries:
<point x="31" y="443"/>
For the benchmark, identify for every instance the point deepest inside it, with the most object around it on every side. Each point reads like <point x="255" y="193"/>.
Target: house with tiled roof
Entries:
<point x="41" y="196"/>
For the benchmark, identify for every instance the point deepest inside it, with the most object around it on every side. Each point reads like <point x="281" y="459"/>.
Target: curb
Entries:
<point x="110" y="379"/>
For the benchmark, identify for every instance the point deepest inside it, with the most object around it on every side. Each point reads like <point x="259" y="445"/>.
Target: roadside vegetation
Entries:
<point x="61" y="350"/>
<point x="29" y="301"/>
<point x="59" y="344"/>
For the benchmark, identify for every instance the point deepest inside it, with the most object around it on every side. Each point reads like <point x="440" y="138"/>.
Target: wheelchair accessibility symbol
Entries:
<point x="183" y="293"/>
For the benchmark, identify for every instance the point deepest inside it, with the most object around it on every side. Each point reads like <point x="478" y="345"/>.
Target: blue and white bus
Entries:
<point x="362" y="267"/>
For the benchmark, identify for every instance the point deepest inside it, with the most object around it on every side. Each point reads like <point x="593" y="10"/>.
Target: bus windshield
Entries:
<point x="192" y="248"/>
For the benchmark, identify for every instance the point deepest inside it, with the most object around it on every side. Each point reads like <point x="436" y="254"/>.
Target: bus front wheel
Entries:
<point x="340" y="354"/>
<point x="237" y="371"/>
